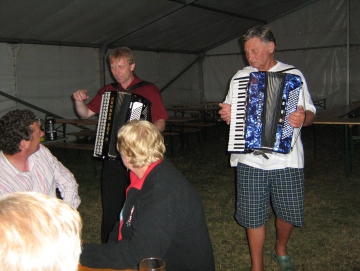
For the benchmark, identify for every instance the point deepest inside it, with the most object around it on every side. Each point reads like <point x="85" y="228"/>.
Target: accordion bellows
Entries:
<point x="266" y="99"/>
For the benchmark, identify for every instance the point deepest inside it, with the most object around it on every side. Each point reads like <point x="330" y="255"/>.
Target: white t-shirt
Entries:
<point x="295" y="159"/>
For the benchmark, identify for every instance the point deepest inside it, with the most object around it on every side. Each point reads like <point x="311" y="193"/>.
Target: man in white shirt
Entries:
<point x="276" y="177"/>
<point x="26" y="165"/>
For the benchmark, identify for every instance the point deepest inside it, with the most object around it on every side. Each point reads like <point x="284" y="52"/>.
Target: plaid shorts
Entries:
<point x="255" y="189"/>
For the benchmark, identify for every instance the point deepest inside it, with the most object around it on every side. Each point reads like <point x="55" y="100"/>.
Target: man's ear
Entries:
<point x="24" y="144"/>
<point x="271" y="46"/>
<point x="132" y="67"/>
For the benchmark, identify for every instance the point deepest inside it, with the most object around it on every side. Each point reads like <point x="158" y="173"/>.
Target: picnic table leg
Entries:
<point x="351" y="148"/>
<point x="315" y="141"/>
<point x="347" y="153"/>
<point x="182" y="136"/>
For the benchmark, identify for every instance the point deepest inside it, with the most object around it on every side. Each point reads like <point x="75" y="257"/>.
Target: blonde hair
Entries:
<point x="121" y="52"/>
<point x="141" y="142"/>
<point x="38" y="233"/>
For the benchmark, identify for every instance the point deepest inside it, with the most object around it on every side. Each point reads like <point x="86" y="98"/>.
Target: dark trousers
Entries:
<point x="114" y="181"/>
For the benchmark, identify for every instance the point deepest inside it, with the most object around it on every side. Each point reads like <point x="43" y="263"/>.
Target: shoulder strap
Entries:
<point x="140" y="84"/>
<point x="288" y="69"/>
<point x="115" y="86"/>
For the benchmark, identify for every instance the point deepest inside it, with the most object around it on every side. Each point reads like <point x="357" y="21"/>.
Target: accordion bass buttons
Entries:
<point x="260" y="109"/>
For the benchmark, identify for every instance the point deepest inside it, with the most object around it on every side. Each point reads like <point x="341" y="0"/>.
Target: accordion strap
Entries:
<point x="288" y="69"/>
<point x="140" y="84"/>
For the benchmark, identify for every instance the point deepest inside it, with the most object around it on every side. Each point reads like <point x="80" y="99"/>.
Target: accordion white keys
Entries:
<point x="238" y="108"/>
<point x="261" y="103"/>
<point x="116" y="109"/>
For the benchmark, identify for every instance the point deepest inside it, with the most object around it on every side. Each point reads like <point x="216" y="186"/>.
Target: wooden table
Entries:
<point x="206" y="113"/>
<point x="59" y="139"/>
<point x="61" y="129"/>
<point x="82" y="123"/>
<point x="340" y="111"/>
<point x="320" y="102"/>
<point x="84" y="268"/>
<point x="77" y="122"/>
<point x="176" y="124"/>
<point x="347" y="116"/>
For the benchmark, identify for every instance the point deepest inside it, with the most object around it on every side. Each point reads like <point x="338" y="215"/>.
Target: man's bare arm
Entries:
<point x="160" y="125"/>
<point x="81" y="108"/>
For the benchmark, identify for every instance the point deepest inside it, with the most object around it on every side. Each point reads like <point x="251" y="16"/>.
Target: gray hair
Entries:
<point x="262" y="32"/>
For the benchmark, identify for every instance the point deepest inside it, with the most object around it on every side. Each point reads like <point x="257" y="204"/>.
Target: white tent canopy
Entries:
<point x="189" y="49"/>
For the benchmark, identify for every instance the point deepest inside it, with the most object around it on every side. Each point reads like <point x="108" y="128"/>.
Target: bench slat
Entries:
<point x="82" y="133"/>
<point x="199" y="124"/>
<point x="77" y="146"/>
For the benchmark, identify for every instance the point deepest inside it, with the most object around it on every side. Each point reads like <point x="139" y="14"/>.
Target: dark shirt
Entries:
<point x="149" y="91"/>
<point x="164" y="219"/>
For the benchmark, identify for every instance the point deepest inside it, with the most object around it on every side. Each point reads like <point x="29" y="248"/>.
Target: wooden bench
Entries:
<point x="170" y="135"/>
<point x="84" y="135"/>
<point x="201" y="125"/>
<point x="182" y="131"/>
<point x="73" y="145"/>
<point x="77" y="146"/>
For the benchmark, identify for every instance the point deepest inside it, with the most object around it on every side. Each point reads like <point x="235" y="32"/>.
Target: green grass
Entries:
<point x="328" y="241"/>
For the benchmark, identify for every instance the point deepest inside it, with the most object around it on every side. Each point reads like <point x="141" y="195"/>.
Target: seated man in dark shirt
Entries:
<point x="162" y="216"/>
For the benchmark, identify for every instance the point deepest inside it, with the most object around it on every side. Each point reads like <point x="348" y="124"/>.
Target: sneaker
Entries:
<point x="284" y="262"/>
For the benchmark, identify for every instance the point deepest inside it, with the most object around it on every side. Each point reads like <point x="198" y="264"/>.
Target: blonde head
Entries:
<point x="122" y="52"/>
<point x="38" y="233"/>
<point x="141" y="142"/>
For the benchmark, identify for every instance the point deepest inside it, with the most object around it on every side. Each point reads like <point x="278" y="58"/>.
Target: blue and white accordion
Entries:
<point x="261" y="103"/>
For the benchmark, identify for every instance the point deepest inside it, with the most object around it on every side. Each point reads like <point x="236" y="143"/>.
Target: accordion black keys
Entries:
<point x="260" y="106"/>
<point x="116" y="109"/>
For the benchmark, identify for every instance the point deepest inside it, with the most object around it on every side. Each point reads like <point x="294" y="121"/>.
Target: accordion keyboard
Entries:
<point x="238" y="108"/>
<point x="101" y="128"/>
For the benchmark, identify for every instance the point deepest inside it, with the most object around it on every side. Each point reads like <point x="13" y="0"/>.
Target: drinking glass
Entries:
<point x="152" y="264"/>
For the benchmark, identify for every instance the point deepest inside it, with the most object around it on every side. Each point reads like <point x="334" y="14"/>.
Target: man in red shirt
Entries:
<point x="114" y="174"/>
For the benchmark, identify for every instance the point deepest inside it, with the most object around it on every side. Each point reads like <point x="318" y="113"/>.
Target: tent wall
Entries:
<point x="46" y="76"/>
<point x="314" y="40"/>
<point x="354" y="50"/>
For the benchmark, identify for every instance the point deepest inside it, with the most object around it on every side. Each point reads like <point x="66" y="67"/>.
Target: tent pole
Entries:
<point x="201" y="79"/>
<point x="348" y="52"/>
<point x="102" y="60"/>
<point x="176" y="77"/>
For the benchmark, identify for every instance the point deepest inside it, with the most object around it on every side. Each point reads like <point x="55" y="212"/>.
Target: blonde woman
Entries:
<point x="162" y="216"/>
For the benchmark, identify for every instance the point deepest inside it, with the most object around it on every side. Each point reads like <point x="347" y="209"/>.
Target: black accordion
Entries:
<point x="261" y="103"/>
<point x="116" y="109"/>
